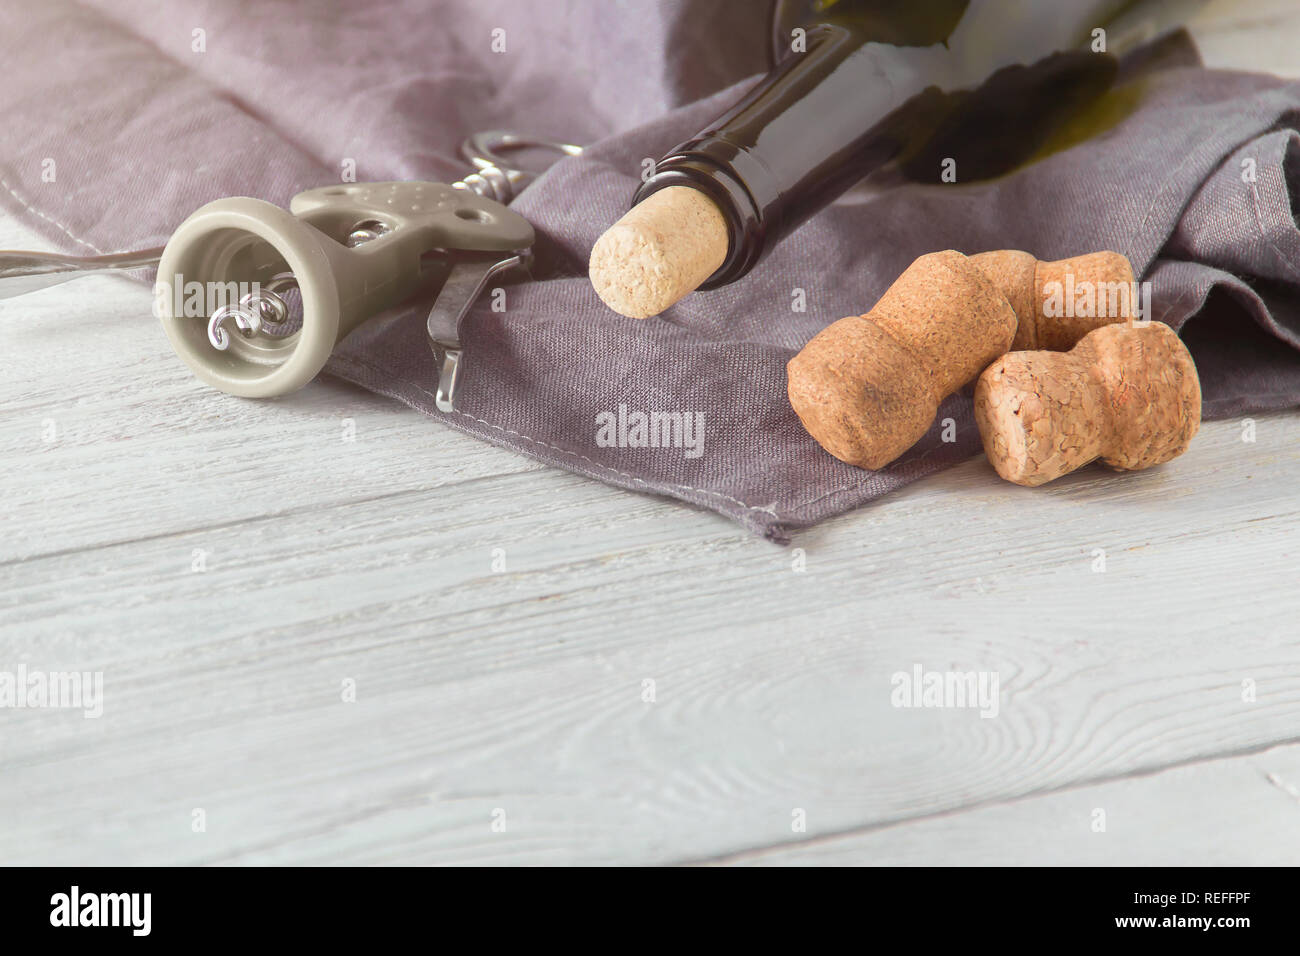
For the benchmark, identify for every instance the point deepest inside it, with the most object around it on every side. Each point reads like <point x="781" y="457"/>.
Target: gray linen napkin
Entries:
<point x="155" y="109"/>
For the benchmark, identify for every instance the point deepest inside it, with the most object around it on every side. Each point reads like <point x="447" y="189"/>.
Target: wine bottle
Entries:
<point x="965" y="89"/>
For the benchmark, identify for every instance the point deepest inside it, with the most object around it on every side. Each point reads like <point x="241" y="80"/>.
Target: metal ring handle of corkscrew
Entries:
<point x="254" y="298"/>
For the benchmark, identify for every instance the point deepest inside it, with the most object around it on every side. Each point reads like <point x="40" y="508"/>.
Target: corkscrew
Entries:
<point x="254" y="298"/>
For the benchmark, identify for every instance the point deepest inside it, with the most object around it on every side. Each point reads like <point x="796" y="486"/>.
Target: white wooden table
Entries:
<point x="234" y="568"/>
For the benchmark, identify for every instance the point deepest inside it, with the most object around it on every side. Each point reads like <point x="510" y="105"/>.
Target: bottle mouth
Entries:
<point x="746" y="224"/>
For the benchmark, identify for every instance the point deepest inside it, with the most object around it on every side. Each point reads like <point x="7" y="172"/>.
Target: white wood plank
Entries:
<point x="1256" y="35"/>
<point x="521" y="690"/>
<point x="1240" y="811"/>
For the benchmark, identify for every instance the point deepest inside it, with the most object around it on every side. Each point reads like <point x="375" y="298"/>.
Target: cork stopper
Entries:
<point x="664" y="248"/>
<point x="1012" y="271"/>
<point x="1058" y="303"/>
<point x="1127" y="394"/>
<point x="868" y="387"/>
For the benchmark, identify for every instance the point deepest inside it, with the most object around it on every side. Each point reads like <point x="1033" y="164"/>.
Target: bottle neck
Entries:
<point x="765" y="165"/>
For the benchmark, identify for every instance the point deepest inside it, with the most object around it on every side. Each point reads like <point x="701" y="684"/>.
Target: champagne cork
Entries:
<point x="867" y="387"/>
<point x="1126" y="394"/>
<point x="1030" y="285"/>
<point x="664" y="248"/>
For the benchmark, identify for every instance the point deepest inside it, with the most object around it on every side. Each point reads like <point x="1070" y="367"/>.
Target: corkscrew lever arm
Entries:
<point x="465" y="283"/>
<point x="23" y="272"/>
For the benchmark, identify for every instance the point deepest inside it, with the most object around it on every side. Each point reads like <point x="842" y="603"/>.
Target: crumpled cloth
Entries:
<point x="151" y="109"/>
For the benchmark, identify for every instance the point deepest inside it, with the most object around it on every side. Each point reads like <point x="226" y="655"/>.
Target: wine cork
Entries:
<point x="1099" y="288"/>
<point x="664" y="248"/>
<point x="1126" y="394"/>
<point x="867" y="387"/>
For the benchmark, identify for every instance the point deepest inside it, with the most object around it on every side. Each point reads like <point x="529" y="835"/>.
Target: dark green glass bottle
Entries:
<point x="969" y="86"/>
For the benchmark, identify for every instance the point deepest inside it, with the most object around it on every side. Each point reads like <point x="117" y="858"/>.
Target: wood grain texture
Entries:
<point x="1239" y="811"/>
<point x="1255" y="35"/>
<point x="522" y="689"/>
